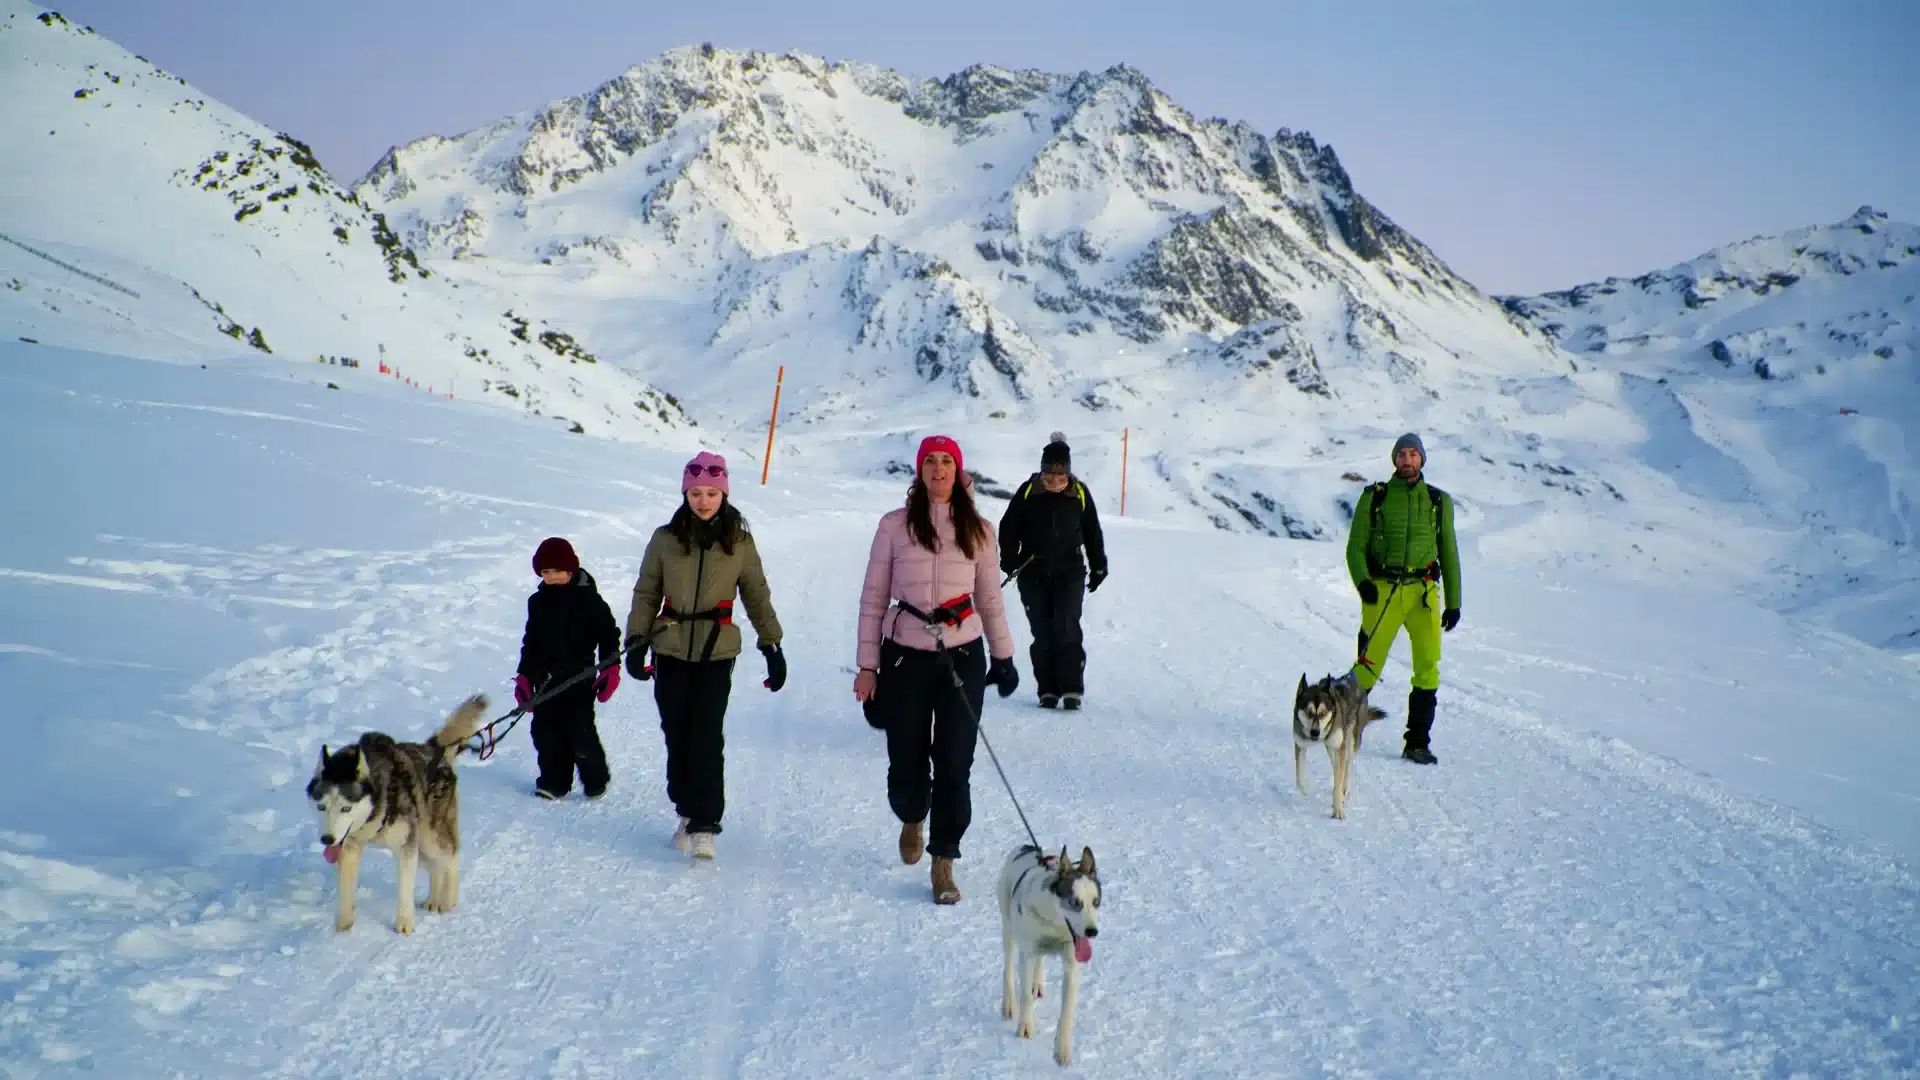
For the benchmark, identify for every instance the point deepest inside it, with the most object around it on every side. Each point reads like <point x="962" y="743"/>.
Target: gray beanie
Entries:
<point x="1410" y="439"/>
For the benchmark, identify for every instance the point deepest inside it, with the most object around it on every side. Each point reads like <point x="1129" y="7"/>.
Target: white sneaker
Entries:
<point x="681" y="841"/>
<point x="703" y="845"/>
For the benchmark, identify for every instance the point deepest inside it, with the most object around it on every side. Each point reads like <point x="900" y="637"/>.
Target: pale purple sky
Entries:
<point x="1534" y="145"/>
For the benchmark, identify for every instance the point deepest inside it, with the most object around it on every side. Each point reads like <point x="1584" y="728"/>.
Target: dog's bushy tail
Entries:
<point x="462" y="723"/>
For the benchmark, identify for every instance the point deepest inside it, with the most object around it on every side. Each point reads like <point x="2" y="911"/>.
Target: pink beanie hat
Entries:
<point x="935" y="443"/>
<point x="707" y="469"/>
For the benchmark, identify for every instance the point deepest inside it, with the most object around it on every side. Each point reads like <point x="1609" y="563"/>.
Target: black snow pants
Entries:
<point x="1053" y="604"/>
<point x="565" y="738"/>
<point x="692" y="696"/>
<point x="931" y="732"/>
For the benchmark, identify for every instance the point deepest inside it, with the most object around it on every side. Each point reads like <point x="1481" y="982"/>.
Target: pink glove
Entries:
<point x="522" y="690"/>
<point x="608" y="682"/>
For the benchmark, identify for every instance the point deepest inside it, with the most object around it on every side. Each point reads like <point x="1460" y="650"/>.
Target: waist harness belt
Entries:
<point x="720" y="614"/>
<point x="951" y="612"/>
<point x="1429" y="572"/>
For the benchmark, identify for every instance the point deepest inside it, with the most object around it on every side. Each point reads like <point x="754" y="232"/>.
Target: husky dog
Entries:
<point x="399" y="796"/>
<point x="1049" y="906"/>
<point x="1333" y="712"/>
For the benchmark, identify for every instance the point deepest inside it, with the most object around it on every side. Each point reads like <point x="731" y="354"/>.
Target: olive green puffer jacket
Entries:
<point x="697" y="581"/>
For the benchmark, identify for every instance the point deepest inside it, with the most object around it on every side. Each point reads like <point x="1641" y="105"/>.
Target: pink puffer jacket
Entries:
<point x="899" y="569"/>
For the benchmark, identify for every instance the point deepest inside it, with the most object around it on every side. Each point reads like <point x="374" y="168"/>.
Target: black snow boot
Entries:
<point x="1420" y="704"/>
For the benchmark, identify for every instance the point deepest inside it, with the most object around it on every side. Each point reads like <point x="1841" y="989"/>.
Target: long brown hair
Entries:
<point x="726" y="528"/>
<point x="968" y="530"/>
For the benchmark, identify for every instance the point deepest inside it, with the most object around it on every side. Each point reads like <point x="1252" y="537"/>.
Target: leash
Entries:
<point x="995" y="758"/>
<point x="1386" y="604"/>
<point x="1015" y="572"/>
<point x="484" y="741"/>
<point x="945" y="659"/>
<point x="960" y="688"/>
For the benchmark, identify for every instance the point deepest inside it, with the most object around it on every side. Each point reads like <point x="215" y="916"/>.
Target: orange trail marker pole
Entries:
<point x="1124" y="432"/>
<point x="772" y="421"/>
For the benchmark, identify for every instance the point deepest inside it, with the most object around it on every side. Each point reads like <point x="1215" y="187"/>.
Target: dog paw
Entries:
<point x="343" y="924"/>
<point x="403" y="924"/>
<point x="1025" y="1030"/>
<point x="1006" y="1010"/>
<point x="1062" y="1056"/>
<point x="439" y="907"/>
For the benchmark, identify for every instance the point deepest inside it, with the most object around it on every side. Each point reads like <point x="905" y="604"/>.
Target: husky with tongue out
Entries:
<point x="1049" y="906"/>
<point x="402" y="796"/>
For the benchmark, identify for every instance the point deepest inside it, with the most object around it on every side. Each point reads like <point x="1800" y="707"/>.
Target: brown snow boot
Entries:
<point x="944" y="890"/>
<point x="912" y="842"/>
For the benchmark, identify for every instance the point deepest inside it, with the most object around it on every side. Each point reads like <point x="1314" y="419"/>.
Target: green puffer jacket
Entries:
<point x="1414" y="530"/>
<point x="700" y="580"/>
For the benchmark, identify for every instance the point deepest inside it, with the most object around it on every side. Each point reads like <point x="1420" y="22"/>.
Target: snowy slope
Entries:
<point x="139" y="216"/>
<point x="1795" y="360"/>
<point x="1631" y="861"/>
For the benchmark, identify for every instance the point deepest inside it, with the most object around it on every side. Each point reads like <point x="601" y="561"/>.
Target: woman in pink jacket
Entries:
<point x="932" y="592"/>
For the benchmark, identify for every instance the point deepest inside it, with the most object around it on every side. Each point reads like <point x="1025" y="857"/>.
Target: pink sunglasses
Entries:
<point x="711" y="470"/>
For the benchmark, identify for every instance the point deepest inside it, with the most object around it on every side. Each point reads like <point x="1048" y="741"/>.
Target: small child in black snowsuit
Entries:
<point x="567" y="624"/>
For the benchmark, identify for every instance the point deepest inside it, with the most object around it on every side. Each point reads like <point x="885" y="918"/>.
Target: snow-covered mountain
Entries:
<point x="1775" y="306"/>
<point x="1653" y="864"/>
<point x="1007" y="252"/>
<point x="138" y="216"/>
<point x="996" y="253"/>
<point x="1794" y="363"/>
<point x="1075" y="249"/>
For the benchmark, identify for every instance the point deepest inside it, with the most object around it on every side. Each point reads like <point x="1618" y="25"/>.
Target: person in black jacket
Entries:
<point x="1046" y="526"/>
<point x="567" y="625"/>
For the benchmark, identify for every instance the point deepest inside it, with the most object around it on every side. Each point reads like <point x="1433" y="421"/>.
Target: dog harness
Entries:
<point x="1044" y="862"/>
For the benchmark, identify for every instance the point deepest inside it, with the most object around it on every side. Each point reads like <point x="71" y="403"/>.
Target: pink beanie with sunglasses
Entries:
<point x="707" y="469"/>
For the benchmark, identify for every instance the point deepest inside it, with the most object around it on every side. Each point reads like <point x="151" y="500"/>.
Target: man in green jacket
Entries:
<point x="1400" y="553"/>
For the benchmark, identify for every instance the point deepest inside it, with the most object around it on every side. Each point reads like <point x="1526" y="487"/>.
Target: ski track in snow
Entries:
<point x="1544" y="903"/>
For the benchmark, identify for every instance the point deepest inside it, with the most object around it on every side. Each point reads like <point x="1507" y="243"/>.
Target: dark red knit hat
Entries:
<point x="555" y="554"/>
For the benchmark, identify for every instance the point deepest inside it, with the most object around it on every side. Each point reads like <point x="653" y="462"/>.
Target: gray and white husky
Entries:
<point x="401" y="796"/>
<point x="1332" y="712"/>
<point x="1049" y="906"/>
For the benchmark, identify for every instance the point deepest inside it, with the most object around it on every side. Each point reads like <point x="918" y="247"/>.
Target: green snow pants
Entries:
<point x="1414" y="604"/>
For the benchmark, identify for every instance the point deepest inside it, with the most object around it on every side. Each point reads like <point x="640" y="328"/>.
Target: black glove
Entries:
<point x="776" y="667"/>
<point x="636" y="662"/>
<point x="1369" y="592"/>
<point x="1004" y="675"/>
<point x="1450" y="618"/>
<point x="1094" y="579"/>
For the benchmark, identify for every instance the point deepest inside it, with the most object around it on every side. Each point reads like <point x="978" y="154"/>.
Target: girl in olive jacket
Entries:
<point x="694" y="566"/>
